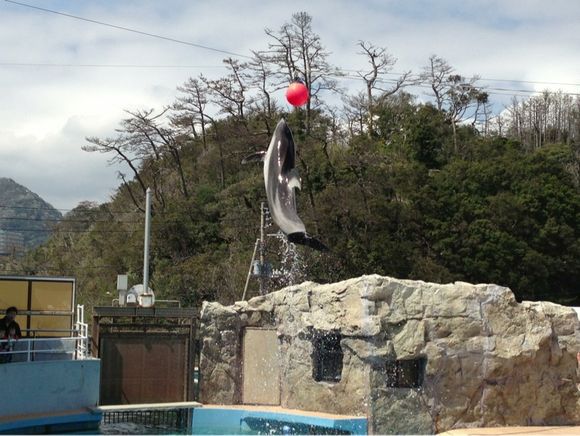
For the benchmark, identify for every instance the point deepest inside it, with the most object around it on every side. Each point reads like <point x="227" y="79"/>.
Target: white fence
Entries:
<point x="82" y="331"/>
<point x="72" y="345"/>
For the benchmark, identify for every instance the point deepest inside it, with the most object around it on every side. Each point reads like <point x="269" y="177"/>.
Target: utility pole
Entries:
<point x="146" y="242"/>
<point x="262" y="269"/>
<point x="250" y="271"/>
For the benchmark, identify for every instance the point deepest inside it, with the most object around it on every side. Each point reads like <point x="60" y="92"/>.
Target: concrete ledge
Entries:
<point x="147" y="406"/>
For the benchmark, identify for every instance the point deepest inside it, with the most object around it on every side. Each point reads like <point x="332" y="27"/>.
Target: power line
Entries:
<point x="205" y="47"/>
<point x="500" y="91"/>
<point x="489" y="90"/>
<point x="67" y="270"/>
<point x="48" y="209"/>
<point x="484" y="79"/>
<point x="96" y="230"/>
<point x="96" y="221"/>
<point x="68" y="220"/>
<point x="338" y="76"/>
<point x="59" y="65"/>
<point x="65" y="219"/>
<point x="114" y="26"/>
<point x="56" y="231"/>
<point x="532" y="82"/>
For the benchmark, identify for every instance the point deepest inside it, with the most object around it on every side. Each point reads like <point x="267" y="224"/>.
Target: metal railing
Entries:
<point x="82" y="331"/>
<point x="74" y="346"/>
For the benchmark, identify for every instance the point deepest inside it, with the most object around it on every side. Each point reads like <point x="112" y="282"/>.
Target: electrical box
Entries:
<point x="262" y="269"/>
<point x="122" y="286"/>
<point x="122" y="282"/>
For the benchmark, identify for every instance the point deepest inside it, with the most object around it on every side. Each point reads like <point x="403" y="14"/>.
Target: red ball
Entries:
<point x="297" y="94"/>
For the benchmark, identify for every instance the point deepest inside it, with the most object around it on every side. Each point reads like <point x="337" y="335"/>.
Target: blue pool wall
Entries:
<point x="49" y="386"/>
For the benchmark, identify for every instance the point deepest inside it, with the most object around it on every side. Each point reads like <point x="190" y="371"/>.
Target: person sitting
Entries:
<point x="3" y="345"/>
<point x="9" y="331"/>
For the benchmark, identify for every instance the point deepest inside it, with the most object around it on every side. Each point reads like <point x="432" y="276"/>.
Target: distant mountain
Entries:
<point x="25" y="218"/>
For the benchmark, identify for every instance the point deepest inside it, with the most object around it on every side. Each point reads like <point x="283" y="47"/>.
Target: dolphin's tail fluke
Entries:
<point x="303" y="239"/>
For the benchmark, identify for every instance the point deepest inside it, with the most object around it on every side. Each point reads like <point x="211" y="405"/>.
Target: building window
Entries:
<point x="327" y="357"/>
<point x="405" y="373"/>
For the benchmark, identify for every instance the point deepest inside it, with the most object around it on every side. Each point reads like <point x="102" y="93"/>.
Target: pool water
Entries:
<point x="264" y="428"/>
<point x="139" y="428"/>
<point x="218" y="420"/>
<point x="234" y="421"/>
<point x="225" y="430"/>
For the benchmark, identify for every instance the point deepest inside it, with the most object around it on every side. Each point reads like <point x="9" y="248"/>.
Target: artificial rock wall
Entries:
<point x="489" y="361"/>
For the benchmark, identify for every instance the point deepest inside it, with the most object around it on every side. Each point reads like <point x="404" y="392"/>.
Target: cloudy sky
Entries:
<point x="63" y="79"/>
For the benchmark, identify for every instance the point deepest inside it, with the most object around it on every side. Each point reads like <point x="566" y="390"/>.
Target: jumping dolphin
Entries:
<point x="281" y="178"/>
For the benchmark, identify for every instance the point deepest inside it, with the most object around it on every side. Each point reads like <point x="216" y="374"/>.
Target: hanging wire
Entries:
<point x="114" y="26"/>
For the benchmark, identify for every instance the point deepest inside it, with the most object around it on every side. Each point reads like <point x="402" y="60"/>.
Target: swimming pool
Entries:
<point x="254" y="420"/>
<point x="196" y="419"/>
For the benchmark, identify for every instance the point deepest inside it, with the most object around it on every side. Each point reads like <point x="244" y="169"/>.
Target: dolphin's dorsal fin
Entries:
<point x="254" y="157"/>
<point x="294" y="179"/>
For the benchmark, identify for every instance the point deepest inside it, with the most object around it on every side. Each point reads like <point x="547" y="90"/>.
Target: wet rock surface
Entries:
<point x="417" y="357"/>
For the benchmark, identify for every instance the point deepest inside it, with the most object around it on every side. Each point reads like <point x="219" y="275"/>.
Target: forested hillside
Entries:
<point x="439" y="191"/>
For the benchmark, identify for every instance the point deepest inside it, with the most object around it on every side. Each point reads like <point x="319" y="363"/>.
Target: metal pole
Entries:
<point x="146" y="243"/>
<point x="250" y="270"/>
<point x="262" y="225"/>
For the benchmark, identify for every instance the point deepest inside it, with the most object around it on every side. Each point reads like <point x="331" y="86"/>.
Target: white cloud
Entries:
<point x="47" y="112"/>
<point x="56" y="168"/>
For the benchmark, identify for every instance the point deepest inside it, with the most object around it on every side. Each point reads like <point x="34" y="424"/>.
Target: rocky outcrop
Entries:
<point x="482" y="358"/>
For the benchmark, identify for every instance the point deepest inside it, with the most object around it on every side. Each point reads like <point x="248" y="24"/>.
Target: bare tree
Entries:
<point x="551" y="117"/>
<point x="381" y="63"/>
<point x="189" y="110"/>
<point x="298" y="52"/>
<point x="143" y="144"/>
<point x="120" y="151"/>
<point x="436" y="74"/>
<point x="261" y="77"/>
<point x="229" y="93"/>
<point x="457" y="96"/>
<point x="129" y="190"/>
<point x="462" y="96"/>
<point x="497" y="124"/>
<point x="356" y="112"/>
<point x="120" y="155"/>
<point x="514" y="119"/>
<point x="149" y="138"/>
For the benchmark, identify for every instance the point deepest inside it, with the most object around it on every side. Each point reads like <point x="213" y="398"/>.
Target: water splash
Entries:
<point x="292" y="269"/>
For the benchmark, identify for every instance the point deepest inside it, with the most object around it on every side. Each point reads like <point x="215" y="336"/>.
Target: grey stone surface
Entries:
<point x="489" y="361"/>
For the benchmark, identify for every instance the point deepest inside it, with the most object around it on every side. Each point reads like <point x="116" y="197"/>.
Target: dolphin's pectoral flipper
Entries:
<point x="254" y="157"/>
<point x="294" y="179"/>
<point x="304" y="239"/>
